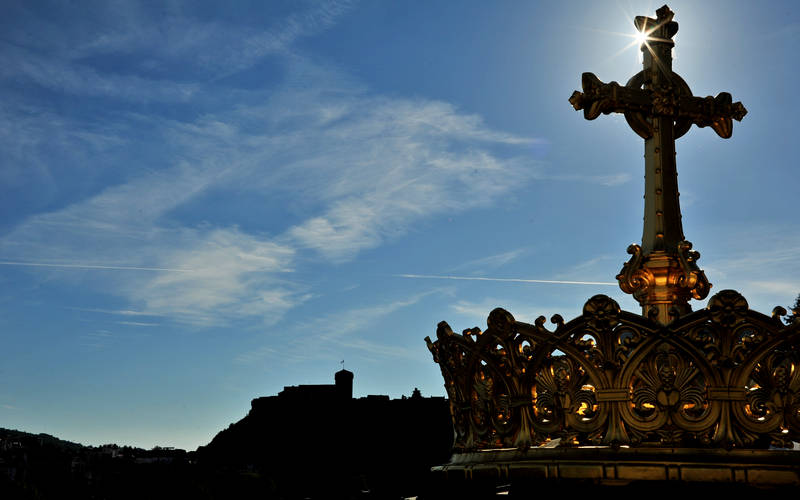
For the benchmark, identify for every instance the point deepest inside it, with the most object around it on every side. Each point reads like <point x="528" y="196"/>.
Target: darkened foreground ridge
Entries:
<point x="309" y="441"/>
<point x="40" y="466"/>
<point x="370" y="447"/>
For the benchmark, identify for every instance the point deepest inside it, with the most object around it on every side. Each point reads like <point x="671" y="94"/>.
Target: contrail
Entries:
<point x="513" y="280"/>
<point x="89" y="266"/>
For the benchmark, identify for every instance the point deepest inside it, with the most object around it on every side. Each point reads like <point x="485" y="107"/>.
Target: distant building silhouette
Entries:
<point x="356" y="444"/>
<point x="340" y="392"/>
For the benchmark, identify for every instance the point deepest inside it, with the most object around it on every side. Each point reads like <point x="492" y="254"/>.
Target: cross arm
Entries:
<point x="598" y="97"/>
<point x="676" y="102"/>
<point x="715" y="112"/>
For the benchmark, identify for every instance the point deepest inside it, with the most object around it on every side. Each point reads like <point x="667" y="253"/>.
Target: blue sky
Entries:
<point x="202" y="203"/>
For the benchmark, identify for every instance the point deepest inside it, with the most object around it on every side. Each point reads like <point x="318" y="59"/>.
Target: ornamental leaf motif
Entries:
<point x="724" y="375"/>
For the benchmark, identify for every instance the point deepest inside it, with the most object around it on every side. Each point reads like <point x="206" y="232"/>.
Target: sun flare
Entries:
<point x="639" y="38"/>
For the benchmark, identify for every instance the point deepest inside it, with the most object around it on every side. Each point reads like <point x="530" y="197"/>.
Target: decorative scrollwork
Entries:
<point x="724" y="375"/>
<point x="773" y="395"/>
<point x="668" y="384"/>
<point x="632" y="278"/>
<point x="563" y="394"/>
<point x="662" y="277"/>
<point x="693" y="278"/>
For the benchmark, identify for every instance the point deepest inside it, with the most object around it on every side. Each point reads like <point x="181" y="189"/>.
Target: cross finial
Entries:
<point x="648" y="25"/>
<point x="662" y="273"/>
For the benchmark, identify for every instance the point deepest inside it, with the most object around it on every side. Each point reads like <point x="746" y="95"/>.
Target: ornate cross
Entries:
<point x="662" y="273"/>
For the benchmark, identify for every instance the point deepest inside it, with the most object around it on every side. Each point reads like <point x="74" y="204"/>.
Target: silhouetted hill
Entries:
<point x="312" y="441"/>
<point x="40" y="466"/>
<point x="10" y="436"/>
<point x="319" y="442"/>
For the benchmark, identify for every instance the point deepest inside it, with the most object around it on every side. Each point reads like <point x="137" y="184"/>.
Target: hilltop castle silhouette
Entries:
<point x="317" y="440"/>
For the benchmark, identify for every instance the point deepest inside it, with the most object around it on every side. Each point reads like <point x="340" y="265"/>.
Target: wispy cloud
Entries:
<point x="747" y="260"/>
<point x="614" y="179"/>
<point x="396" y="162"/>
<point x="71" y="78"/>
<point x="135" y="323"/>
<point x="509" y="280"/>
<point x="475" y="313"/>
<point x="90" y="266"/>
<point x="121" y="312"/>
<point x="237" y="275"/>
<point x="150" y="41"/>
<point x="98" y="339"/>
<point x="380" y="349"/>
<point x="490" y="261"/>
<point x="749" y="255"/>
<point x="361" y="169"/>
<point x="328" y="335"/>
<point x="596" y="266"/>
<point x="346" y="323"/>
<point x="364" y="168"/>
<point x="762" y="262"/>
<point x="590" y="264"/>
<point x="255" y="356"/>
<point x="788" y="288"/>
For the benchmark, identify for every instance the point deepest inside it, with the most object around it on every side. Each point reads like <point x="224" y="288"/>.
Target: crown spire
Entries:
<point x="662" y="273"/>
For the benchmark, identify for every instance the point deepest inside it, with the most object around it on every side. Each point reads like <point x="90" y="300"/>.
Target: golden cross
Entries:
<point x="662" y="273"/>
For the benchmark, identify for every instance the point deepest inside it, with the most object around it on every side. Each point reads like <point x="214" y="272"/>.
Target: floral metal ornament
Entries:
<point x="613" y="396"/>
<point x="615" y="378"/>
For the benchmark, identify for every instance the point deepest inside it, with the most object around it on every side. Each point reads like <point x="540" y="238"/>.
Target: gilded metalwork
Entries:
<point x="662" y="273"/>
<point x="673" y="101"/>
<point x="724" y="376"/>
<point x="612" y="396"/>
<point x="661" y="279"/>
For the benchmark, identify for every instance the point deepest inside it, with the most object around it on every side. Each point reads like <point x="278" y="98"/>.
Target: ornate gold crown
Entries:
<point x="613" y="396"/>
<point x="723" y="377"/>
